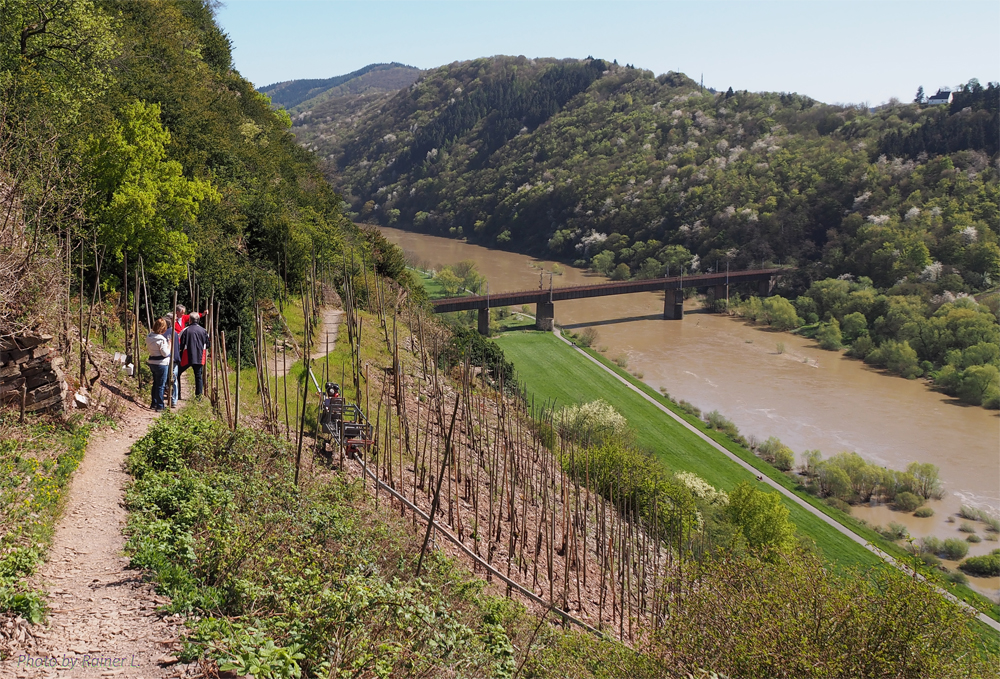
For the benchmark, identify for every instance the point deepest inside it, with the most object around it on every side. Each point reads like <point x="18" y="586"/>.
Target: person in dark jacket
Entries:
<point x="194" y="348"/>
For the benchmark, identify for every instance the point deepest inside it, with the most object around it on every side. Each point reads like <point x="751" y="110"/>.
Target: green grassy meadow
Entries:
<point x="553" y="371"/>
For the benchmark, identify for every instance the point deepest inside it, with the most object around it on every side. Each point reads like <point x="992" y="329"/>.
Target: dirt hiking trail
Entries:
<point x="329" y="329"/>
<point x="103" y="619"/>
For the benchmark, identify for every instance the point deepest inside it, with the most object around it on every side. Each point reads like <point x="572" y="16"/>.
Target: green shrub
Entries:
<point x="907" y="501"/>
<point x="974" y="539"/>
<point x="955" y="548"/>
<point x="715" y="420"/>
<point x="839" y="504"/>
<point x="689" y="408"/>
<point x="966" y="527"/>
<point x="896" y="531"/>
<point x="924" y="512"/>
<point x="829" y="336"/>
<point x="983" y="566"/>
<point x="957" y="579"/>
<point x="587" y="337"/>
<point x="931" y="545"/>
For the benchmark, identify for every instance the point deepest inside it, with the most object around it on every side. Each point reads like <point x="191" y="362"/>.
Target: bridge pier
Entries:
<point x="545" y="315"/>
<point x="765" y="287"/>
<point x="673" y="304"/>
<point x="720" y="292"/>
<point x="484" y="322"/>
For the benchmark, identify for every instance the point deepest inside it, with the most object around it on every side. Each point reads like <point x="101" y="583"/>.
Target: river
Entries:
<point x="774" y="384"/>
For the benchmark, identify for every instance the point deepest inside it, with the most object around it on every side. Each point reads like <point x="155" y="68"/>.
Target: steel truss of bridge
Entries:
<point x="673" y="305"/>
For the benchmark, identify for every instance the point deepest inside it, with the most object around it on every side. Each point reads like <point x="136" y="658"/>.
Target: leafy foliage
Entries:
<point x="983" y="566"/>
<point x="788" y="616"/>
<point x="291" y="581"/>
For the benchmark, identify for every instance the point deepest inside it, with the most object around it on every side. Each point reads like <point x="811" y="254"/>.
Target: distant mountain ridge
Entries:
<point x="301" y="95"/>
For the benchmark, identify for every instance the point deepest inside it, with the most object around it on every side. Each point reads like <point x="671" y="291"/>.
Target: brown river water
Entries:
<point x="807" y="397"/>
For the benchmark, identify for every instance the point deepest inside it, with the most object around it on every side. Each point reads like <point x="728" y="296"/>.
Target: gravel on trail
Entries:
<point x="103" y="618"/>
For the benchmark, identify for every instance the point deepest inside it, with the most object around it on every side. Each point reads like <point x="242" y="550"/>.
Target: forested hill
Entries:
<point x="125" y="125"/>
<point x="303" y="95"/>
<point x="573" y="159"/>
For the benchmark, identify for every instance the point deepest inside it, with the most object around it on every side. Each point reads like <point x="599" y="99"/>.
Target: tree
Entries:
<point x="833" y="480"/>
<point x="853" y="325"/>
<point x="603" y="262"/>
<point x="779" y="313"/>
<point x="829" y="336"/>
<point x="979" y="382"/>
<point x="621" y="272"/>
<point x="761" y="516"/>
<point x="925" y="479"/>
<point x="897" y="357"/>
<point x="448" y="281"/>
<point x="920" y="96"/>
<point x="650" y="268"/>
<point x="142" y="202"/>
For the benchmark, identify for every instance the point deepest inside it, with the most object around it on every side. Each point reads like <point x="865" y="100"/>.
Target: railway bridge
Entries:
<point x="673" y="288"/>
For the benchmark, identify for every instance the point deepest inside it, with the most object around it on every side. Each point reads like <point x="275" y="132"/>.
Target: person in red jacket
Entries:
<point x="182" y="318"/>
<point x="194" y="350"/>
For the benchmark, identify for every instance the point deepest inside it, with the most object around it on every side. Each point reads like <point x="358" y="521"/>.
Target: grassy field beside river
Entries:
<point x="551" y="370"/>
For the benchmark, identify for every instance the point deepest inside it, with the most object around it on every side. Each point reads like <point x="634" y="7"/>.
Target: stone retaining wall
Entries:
<point x="26" y="361"/>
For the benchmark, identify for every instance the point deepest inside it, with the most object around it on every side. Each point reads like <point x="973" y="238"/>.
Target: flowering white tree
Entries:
<point x="597" y="420"/>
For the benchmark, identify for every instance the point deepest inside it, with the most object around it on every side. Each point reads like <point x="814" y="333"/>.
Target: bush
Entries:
<point x="897" y="357"/>
<point x="719" y="422"/>
<point x="955" y="548"/>
<point x="689" y="408"/>
<point x="896" y="531"/>
<point x="907" y="501"/>
<point x="974" y="539"/>
<point x="829" y="336"/>
<point x="621" y="360"/>
<point x="987" y="566"/>
<point x="779" y="313"/>
<point x="957" y="579"/>
<point x="837" y="503"/>
<point x="931" y="545"/>
<point x="924" y="512"/>
<point x="587" y="337"/>
<point x="861" y="347"/>
<point x="967" y="527"/>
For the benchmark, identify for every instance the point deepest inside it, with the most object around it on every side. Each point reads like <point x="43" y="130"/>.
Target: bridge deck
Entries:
<point x="600" y="290"/>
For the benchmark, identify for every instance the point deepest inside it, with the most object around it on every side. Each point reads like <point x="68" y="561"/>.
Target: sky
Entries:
<point x="842" y="51"/>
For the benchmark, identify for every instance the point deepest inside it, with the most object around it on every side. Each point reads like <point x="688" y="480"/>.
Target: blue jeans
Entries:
<point x="177" y="384"/>
<point x="159" y="384"/>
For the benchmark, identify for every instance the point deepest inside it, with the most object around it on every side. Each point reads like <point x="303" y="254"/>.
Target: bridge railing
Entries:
<point x="600" y="290"/>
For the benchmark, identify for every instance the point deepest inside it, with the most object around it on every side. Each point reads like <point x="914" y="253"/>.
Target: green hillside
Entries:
<point x="576" y="158"/>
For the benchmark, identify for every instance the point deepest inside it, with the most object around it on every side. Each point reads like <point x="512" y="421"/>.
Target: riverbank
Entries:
<point x="552" y="370"/>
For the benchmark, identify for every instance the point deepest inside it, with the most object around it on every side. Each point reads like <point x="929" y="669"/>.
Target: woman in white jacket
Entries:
<point x="159" y="361"/>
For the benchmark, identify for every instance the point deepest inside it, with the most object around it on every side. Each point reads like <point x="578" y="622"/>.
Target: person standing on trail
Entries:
<point x="158" y="347"/>
<point x="182" y="318"/>
<point x="194" y="345"/>
<point x="173" y="335"/>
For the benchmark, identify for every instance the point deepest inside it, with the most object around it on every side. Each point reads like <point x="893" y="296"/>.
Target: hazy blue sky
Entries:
<point x="842" y="51"/>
